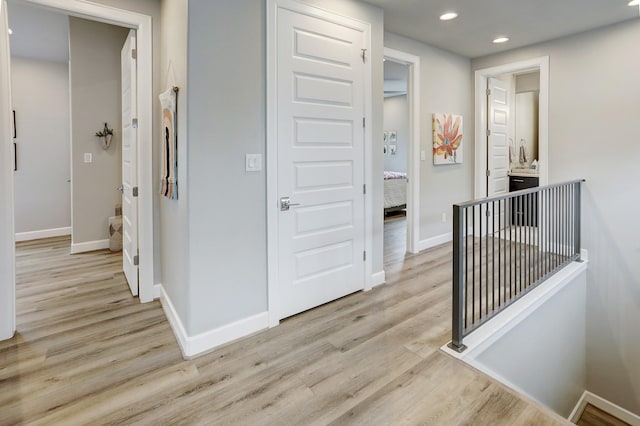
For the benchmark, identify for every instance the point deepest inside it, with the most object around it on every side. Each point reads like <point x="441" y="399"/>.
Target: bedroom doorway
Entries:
<point x="401" y="154"/>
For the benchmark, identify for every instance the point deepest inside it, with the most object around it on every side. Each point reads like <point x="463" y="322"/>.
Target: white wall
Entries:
<point x="94" y="55"/>
<point x="445" y="84"/>
<point x="545" y="355"/>
<point x="40" y="95"/>
<point x="593" y="134"/>
<point x="173" y="213"/>
<point x="227" y="110"/>
<point x="396" y="117"/>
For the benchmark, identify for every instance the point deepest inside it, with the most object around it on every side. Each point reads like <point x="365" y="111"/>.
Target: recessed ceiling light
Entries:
<point x="10" y="31"/>
<point x="634" y="3"/>
<point x="501" y="40"/>
<point x="448" y="16"/>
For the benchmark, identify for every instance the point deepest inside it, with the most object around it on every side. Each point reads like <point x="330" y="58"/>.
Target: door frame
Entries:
<point x="481" y="78"/>
<point x="273" y="289"/>
<point x="413" y="152"/>
<point x="142" y="24"/>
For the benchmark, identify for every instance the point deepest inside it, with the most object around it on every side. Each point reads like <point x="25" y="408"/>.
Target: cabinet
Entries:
<point x="524" y="210"/>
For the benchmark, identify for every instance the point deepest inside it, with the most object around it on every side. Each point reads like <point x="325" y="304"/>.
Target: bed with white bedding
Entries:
<point x="395" y="191"/>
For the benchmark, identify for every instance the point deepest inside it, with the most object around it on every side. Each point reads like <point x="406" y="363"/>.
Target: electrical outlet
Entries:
<point x="444" y="217"/>
<point x="88" y="158"/>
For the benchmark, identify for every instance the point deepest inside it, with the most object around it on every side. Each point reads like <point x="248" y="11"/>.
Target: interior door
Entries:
<point x="320" y="137"/>
<point x="497" y="150"/>
<point x="498" y="138"/>
<point x="129" y="164"/>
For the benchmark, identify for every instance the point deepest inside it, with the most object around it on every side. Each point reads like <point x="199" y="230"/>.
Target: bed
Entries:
<point x="395" y="191"/>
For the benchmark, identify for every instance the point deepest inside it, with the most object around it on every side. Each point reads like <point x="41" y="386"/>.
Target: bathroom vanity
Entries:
<point x="524" y="210"/>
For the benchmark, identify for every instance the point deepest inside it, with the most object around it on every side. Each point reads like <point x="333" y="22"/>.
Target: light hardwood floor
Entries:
<point x="593" y="416"/>
<point x="86" y="352"/>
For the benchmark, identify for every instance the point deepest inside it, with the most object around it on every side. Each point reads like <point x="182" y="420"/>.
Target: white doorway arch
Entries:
<point x="123" y="18"/>
<point x="481" y="78"/>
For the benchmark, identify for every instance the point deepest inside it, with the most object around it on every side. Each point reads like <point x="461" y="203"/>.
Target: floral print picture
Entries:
<point x="447" y="139"/>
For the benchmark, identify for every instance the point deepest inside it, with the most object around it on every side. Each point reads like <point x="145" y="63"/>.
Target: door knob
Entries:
<point x="285" y="203"/>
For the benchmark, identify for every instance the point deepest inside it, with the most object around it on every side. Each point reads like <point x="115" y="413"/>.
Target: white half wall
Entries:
<point x="40" y="94"/>
<point x="537" y="345"/>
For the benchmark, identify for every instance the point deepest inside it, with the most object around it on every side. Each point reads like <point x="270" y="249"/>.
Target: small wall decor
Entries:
<point x="447" y="138"/>
<point x="393" y="136"/>
<point x="393" y="149"/>
<point x="385" y="137"/>
<point x="169" y="178"/>
<point x="105" y="135"/>
<point x="385" y="149"/>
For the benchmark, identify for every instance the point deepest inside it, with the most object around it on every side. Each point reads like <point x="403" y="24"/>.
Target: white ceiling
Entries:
<point x="525" y="22"/>
<point x="43" y="34"/>
<point x="38" y="33"/>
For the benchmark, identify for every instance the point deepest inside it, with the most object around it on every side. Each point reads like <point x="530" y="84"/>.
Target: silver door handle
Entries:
<point x="120" y="188"/>
<point x="285" y="203"/>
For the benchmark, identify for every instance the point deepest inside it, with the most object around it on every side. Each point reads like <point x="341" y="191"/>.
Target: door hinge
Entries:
<point x="488" y="172"/>
<point x="134" y="123"/>
<point x="364" y="55"/>
<point x="364" y="188"/>
<point x="134" y="190"/>
<point x="134" y="54"/>
<point x="488" y="132"/>
<point x="136" y="260"/>
<point x="488" y="92"/>
<point x="363" y="122"/>
<point x="364" y="256"/>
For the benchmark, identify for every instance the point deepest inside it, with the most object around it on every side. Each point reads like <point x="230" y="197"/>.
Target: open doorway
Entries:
<point x="511" y="142"/>
<point x="142" y="25"/>
<point x="396" y="147"/>
<point x="401" y="183"/>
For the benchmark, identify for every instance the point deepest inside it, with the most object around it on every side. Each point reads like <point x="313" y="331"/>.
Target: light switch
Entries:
<point x="423" y="155"/>
<point x="88" y="158"/>
<point x="253" y="162"/>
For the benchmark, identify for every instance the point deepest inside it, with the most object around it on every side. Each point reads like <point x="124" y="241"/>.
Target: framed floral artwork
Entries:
<point x="447" y="138"/>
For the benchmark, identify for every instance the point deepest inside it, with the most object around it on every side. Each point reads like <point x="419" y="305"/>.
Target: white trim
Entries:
<point x="501" y="324"/>
<point x="143" y="26"/>
<point x="481" y="77"/>
<point x="7" y="230"/>
<point x="604" y="405"/>
<point x="273" y="289"/>
<point x="157" y="291"/>
<point x="209" y="340"/>
<point x="413" y="158"/>
<point x="89" y="246"/>
<point x="435" y="241"/>
<point x="378" y="278"/>
<point x="43" y="233"/>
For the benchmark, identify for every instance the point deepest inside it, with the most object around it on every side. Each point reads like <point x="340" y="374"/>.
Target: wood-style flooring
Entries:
<point x="86" y="352"/>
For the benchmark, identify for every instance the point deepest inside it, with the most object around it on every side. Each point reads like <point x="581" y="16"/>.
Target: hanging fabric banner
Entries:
<point x="169" y="178"/>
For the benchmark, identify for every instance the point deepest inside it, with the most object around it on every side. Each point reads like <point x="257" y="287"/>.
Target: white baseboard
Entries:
<point x="606" y="406"/>
<point x="377" y="279"/>
<point x="204" y="342"/>
<point x="434" y="241"/>
<point x="89" y="246"/>
<point x="157" y="291"/>
<point x="43" y="233"/>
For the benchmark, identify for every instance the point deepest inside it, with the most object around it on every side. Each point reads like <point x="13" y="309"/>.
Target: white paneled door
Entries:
<point x="498" y="138"/>
<point x="129" y="164"/>
<point x="320" y="145"/>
